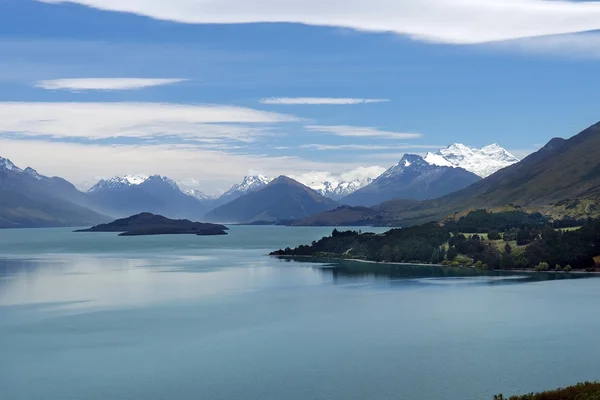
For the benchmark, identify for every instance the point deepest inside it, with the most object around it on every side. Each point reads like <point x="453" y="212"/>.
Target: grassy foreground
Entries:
<point x="581" y="391"/>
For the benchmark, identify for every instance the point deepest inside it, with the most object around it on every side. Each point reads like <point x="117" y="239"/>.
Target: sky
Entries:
<point x="207" y="91"/>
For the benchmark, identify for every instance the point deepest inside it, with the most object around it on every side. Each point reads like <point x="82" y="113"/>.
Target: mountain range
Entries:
<point x="414" y="177"/>
<point x="562" y="179"/>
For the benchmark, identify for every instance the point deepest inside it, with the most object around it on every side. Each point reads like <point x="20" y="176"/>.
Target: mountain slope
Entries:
<point x="412" y="178"/>
<point x="31" y="200"/>
<point x="124" y="196"/>
<point x="282" y="199"/>
<point x="482" y="162"/>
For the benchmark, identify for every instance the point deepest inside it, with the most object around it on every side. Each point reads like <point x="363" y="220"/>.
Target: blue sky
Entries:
<point x="88" y="93"/>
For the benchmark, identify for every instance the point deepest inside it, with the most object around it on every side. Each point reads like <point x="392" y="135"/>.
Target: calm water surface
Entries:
<point x="96" y="316"/>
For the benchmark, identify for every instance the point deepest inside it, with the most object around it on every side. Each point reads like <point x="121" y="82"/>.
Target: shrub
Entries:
<point x="543" y="266"/>
<point x="581" y="391"/>
<point x="558" y="268"/>
<point x="568" y="268"/>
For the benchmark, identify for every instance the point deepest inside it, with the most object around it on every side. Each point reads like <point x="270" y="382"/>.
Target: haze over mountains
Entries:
<point x="414" y="177"/>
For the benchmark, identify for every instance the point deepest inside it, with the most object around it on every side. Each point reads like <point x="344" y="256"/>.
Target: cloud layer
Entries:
<point x="449" y="21"/>
<point x="365" y="132"/>
<point x="319" y="101"/>
<point x="136" y="120"/>
<point x="84" y="84"/>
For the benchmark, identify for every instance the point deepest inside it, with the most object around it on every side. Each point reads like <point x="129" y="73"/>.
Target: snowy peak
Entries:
<point x="483" y="162"/>
<point x="337" y="189"/>
<point x="7" y="165"/>
<point x="157" y="179"/>
<point x="118" y="182"/>
<point x="198" y="195"/>
<point x="249" y="184"/>
<point x="410" y="163"/>
<point x="34" y="174"/>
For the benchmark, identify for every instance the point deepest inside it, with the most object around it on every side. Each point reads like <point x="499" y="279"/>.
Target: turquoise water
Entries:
<point x="96" y="316"/>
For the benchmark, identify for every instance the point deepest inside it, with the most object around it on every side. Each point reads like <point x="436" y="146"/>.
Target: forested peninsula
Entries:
<point x="481" y="239"/>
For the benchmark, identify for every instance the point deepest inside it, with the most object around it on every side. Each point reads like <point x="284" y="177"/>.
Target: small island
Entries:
<point x="145" y="224"/>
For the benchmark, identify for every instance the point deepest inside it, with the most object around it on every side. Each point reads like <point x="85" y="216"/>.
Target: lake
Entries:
<point x="97" y="316"/>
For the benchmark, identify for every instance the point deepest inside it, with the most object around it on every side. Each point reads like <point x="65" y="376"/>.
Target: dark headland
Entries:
<point x="150" y="224"/>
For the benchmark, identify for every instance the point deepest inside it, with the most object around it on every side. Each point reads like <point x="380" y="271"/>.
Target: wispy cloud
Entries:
<point x="345" y="147"/>
<point x="319" y="101"/>
<point x="356" y="131"/>
<point x="448" y="21"/>
<point x="136" y="120"/>
<point x="85" y="84"/>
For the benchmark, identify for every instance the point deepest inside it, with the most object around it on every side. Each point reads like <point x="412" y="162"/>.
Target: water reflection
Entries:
<point x="344" y="271"/>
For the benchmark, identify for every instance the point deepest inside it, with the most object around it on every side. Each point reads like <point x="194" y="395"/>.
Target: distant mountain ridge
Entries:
<point x="127" y="195"/>
<point x="411" y="178"/>
<point x="337" y="189"/>
<point x="282" y="199"/>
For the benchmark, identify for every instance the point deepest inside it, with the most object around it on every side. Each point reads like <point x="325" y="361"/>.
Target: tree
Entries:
<point x="494" y="235"/>
<point x="508" y="248"/>
<point x="558" y="268"/>
<point x="568" y="268"/>
<point x="452" y="254"/>
<point x="435" y="256"/>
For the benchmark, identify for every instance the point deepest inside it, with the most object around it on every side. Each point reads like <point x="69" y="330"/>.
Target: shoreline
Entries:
<point x="527" y="271"/>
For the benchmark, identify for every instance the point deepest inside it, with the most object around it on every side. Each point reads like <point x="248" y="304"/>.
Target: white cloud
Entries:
<point x="136" y="120"/>
<point x="214" y="171"/>
<point x="356" y="131"/>
<point x="82" y="84"/>
<point x="319" y="101"/>
<point x="449" y="21"/>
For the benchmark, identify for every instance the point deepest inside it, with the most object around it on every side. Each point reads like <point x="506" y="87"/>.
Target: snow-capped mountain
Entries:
<point x="412" y="178"/>
<point x="337" y="189"/>
<point x="199" y="195"/>
<point x="483" y="162"/>
<point x="118" y="182"/>
<point x="131" y="194"/>
<point x="337" y="186"/>
<point x="249" y="184"/>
